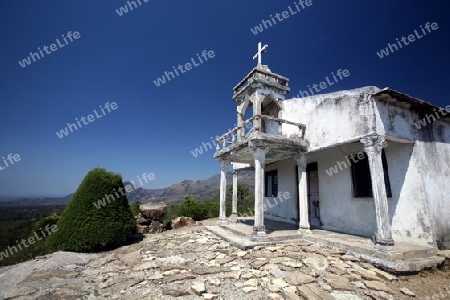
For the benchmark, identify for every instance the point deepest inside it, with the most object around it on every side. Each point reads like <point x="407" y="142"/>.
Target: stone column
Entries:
<point x="240" y="125"/>
<point x="233" y="216"/>
<point x="280" y="125"/>
<point x="259" y="154"/>
<point x="302" y="192"/>
<point x="257" y="123"/>
<point x="223" y="190"/>
<point x="373" y="147"/>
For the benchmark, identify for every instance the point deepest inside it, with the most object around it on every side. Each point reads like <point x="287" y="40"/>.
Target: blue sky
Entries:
<point x="154" y="129"/>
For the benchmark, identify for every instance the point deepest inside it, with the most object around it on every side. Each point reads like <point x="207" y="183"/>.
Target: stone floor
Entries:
<point x="404" y="257"/>
<point x="193" y="263"/>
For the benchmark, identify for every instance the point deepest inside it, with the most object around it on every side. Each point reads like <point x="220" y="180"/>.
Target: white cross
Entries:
<point x="260" y="51"/>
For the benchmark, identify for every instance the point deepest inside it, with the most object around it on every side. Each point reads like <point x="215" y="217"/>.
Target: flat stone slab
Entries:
<point x="444" y="253"/>
<point x="403" y="257"/>
<point x="238" y="241"/>
<point x="40" y="266"/>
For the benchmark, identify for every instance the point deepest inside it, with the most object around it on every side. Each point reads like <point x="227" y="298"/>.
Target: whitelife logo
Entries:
<point x="187" y="66"/>
<point x="31" y="240"/>
<point x="411" y="38"/>
<point x="323" y="85"/>
<point x="90" y="118"/>
<point x="11" y="158"/>
<point x="128" y="189"/>
<point x="124" y="9"/>
<point x="265" y="24"/>
<point x="27" y="61"/>
<point x="432" y="118"/>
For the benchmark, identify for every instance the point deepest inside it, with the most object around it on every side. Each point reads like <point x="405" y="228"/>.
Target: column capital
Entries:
<point x="259" y="152"/>
<point x="301" y="159"/>
<point x="258" y="145"/>
<point x="224" y="164"/>
<point x="373" y="144"/>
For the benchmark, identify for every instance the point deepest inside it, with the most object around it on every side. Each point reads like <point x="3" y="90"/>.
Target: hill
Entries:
<point x="18" y="201"/>
<point x="200" y="189"/>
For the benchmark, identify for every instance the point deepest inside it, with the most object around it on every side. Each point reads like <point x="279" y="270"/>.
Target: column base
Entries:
<point x="385" y="245"/>
<point x="303" y="231"/>
<point x="391" y="249"/>
<point x="233" y="218"/>
<point x="383" y="242"/>
<point x="302" y="226"/>
<point x="259" y="231"/>
<point x="222" y="221"/>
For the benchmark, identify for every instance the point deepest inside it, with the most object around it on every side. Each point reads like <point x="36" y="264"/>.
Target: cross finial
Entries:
<point x="260" y="51"/>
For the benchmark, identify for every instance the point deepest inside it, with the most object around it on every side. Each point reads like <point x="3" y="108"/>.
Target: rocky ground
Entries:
<point x="192" y="263"/>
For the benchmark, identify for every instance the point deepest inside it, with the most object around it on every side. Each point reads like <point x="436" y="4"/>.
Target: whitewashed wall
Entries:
<point x="287" y="210"/>
<point x="330" y="119"/>
<point x="418" y="164"/>
<point x="424" y="202"/>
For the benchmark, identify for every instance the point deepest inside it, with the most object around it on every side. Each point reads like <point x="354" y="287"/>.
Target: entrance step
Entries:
<point x="403" y="257"/>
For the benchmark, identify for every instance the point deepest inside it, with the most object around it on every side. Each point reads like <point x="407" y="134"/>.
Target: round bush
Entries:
<point x="97" y="217"/>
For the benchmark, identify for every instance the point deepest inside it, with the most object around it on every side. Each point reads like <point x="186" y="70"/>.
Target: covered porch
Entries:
<point x="405" y="257"/>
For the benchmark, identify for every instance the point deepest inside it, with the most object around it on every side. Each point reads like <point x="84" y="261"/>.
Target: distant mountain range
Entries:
<point x="31" y="201"/>
<point x="199" y="189"/>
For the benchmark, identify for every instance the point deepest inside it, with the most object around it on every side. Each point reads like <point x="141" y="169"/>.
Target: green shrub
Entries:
<point x="134" y="207"/>
<point x="198" y="210"/>
<point x="92" y="222"/>
<point x="170" y="213"/>
<point x="191" y="208"/>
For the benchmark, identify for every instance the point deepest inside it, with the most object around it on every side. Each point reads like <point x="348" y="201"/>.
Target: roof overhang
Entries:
<point x="395" y="98"/>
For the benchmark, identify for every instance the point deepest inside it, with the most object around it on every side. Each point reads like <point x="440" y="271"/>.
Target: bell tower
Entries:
<point x="263" y="91"/>
<point x="263" y="138"/>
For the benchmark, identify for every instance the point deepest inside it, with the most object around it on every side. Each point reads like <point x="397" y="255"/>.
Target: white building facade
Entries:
<point x="352" y="161"/>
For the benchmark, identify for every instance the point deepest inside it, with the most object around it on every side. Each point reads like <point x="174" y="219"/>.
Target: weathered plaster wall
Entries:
<point x="330" y="119"/>
<point x="410" y="218"/>
<point x="419" y="167"/>
<point x="395" y="121"/>
<point x="423" y="212"/>
<point x="339" y="210"/>
<point x="287" y="210"/>
<point x="435" y="168"/>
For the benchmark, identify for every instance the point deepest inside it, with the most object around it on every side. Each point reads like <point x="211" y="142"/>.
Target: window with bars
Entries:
<point x="362" y="183"/>
<point x="271" y="184"/>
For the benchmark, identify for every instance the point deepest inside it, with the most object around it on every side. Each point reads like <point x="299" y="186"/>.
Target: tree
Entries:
<point x="191" y="208"/>
<point x="46" y="221"/>
<point x="245" y="199"/>
<point x="85" y="227"/>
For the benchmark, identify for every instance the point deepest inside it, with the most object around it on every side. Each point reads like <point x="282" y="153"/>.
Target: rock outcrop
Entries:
<point x="150" y="218"/>
<point x="181" y="222"/>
